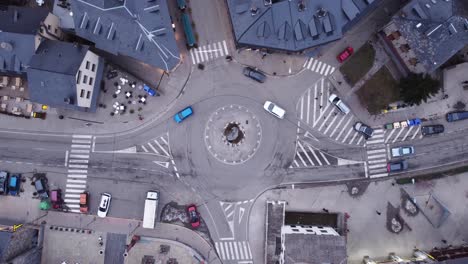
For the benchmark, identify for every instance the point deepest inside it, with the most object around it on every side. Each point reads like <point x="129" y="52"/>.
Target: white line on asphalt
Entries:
<point x="417" y="132"/>
<point x="226" y="238"/>
<point x="144" y="149"/>
<point x="323" y="68"/>
<point x="244" y="245"/>
<point x="379" y="175"/>
<point x="375" y="151"/>
<point x="82" y="136"/>
<point x="325" y="121"/>
<point x="72" y="205"/>
<point x="219" y="251"/>
<point x="326" y="71"/>
<point x="305" y="153"/>
<point x="295" y="163"/>
<point x="225" y="47"/>
<point x="78" y="171"/>
<point x="76" y="186"/>
<point x="384" y="169"/>
<point x="378" y="136"/>
<point x="313" y="66"/>
<point x="81" y="146"/>
<point x="338" y="125"/>
<point x="354" y="136"/>
<point x="318" y="67"/>
<point x="71" y="200"/>
<point x="360" y="139"/>
<point x="377" y="161"/>
<point x="365" y="170"/>
<point x="376" y="141"/>
<point x="78" y="166"/>
<point x="322" y="82"/>
<point x="332" y="70"/>
<point x="79" y="156"/>
<point x="315" y="155"/>
<point x="378" y="156"/>
<point x="164" y="140"/>
<point x="76" y="181"/>
<point x="81" y="141"/>
<point x="399" y="133"/>
<point x="250" y="252"/>
<point x="300" y="157"/>
<point x="227" y="207"/>
<point x="220" y="48"/>
<point x="330" y="125"/>
<point x="308" y="106"/>
<point x="302" y="108"/>
<point x="240" y="250"/>
<point x="343" y="129"/>
<point x="309" y="63"/>
<point x="381" y="165"/>
<point x="235" y="250"/>
<point x="231" y="250"/>
<point x="151" y="146"/>
<point x="72" y="195"/>
<point x="66" y="158"/>
<point x="197" y="58"/>
<point x="73" y="191"/>
<point x="305" y="63"/>
<point x="159" y="145"/>
<point x="226" y="247"/>
<point x="192" y="56"/>
<point x="78" y="161"/>
<point x="347" y="134"/>
<point x="407" y="133"/>
<point x="324" y="158"/>
<point x="315" y="102"/>
<point x="389" y="136"/>
<point x="79" y="151"/>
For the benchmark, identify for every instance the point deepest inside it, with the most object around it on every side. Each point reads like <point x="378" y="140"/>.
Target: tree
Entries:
<point x="416" y="88"/>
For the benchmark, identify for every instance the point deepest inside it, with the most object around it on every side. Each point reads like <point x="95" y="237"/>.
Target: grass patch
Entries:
<point x="379" y="91"/>
<point x="359" y="64"/>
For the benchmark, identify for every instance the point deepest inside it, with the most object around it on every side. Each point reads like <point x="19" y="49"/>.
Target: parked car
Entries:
<point x="38" y="115"/>
<point x="402" y="151"/>
<point x="180" y="116"/>
<point x="254" y="74"/>
<point x="41" y="188"/>
<point x="274" y="109"/>
<point x="14" y="184"/>
<point x="149" y="90"/>
<point x="56" y="198"/>
<point x="104" y="205"/>
<point x="84" y="201"/>
<point x="193" y="215"/>
<point x="457" y="116"/>
<point x="334" y="99"/>
<point x="396" y="166"/>
<point x="364" y="129"/>
<point x="345" y="54"/>
<point x="181" y="4"/>
<point x="432" y="129"/>
<point x="3" y="182"/>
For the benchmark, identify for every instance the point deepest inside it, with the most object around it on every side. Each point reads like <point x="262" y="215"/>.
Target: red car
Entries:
<point x="345" y="54"/>
<point x="193" y="216"/>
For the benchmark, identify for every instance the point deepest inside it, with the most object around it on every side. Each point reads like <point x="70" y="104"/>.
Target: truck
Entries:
<point x="151" y="208"/>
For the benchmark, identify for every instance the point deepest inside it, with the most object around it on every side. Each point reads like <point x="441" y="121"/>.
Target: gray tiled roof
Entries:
<point x="138" y="29"/>
<point x="16" y="51"/>
<point x="434" y="31"/>
<point x="52" y="75"/>
<point x="24" y="20"/>
<point x="285" y="26"/>
<point x="314" y="249"/>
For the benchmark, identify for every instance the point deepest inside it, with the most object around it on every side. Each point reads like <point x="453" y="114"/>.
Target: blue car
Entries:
<point x="179" y="117"/>
<point x="150" y="91"/>
<point x="14" y="184"/>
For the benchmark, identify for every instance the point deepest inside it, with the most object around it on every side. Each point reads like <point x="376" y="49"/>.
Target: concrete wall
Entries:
<point x="86" y="78"/>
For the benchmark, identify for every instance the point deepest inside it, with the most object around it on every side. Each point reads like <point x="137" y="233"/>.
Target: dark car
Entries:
<point x="3" y="182"/>
<point x="14" y="184"/>
<point x="254" y="74"/>
<point x="432" y="129"/>
<point x="457" y="116"/>
<point x="41" y="188"/>
<point x="364" y="129"/>
<point x="193" y="216"/>
<point x="397" y="166"/>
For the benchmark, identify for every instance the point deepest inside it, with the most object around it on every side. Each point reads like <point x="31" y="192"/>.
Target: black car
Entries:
<point x="364" y="129"/>
<point x="397" y="166"/>
<point x="432" y="129"/>
<point x="41" y="188"/>
<point x="254" y="74"/>
<point x="3" y="182"/>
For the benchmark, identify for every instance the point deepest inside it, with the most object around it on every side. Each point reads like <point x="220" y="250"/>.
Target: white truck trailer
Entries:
<point x="151" y="209"/>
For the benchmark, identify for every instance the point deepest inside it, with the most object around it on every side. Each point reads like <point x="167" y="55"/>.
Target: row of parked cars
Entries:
<point x="9" y="184"/>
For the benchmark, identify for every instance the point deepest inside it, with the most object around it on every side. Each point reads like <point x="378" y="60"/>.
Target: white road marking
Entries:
<point x="324" y="158"/>
<point x="72" y="195"/>
<point x="79" y="156"/>
<point x="159" y="145"/>
<point x="379" y="175"/>
<point x="381" y="165"/>
<point x="66" y="158"/>
<point x="318" y="67"/>
<point x="82" y="136"/>
<point x="78" y="166"/>
<point x="81" y="141"/>
<point x="407" y="133"/>
<point x="377" y="161"/>
<point x="73" y="191"/>
<point x="76" y="186"/>
<point x="76" y="181"/>
<point x="313" y="66"/>
<point x="71" y="200"/>
<point x="79" y="151"/>
<point x="330" y="125"/>
<point x="315" y="156"/>
<point x="342" y="130"/>
<point x="240" y="250"/>
<point x="81" y="146"/>
<point x="305" y="152"/>
<point x="378" y="156"/>
<point x="78" y="171"/>
<point x="73" y="205"/>
<point x="308" y="105"/>
<point x="78" y="161"/>
<point x="349" y="132"/>
<point x="417" y="132"/>
<point x="235" y="250"/>
<point x="399" y="133"/>
<point x="389" y="136"/>
<point x="375" y="151"/>
<point x="338" y="125"/>
<point x="225" y="47"/>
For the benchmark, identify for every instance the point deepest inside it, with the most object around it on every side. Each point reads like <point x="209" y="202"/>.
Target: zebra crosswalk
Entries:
<point x="159" y="146"/>
<point x="77" y="163"/>
<point x="209" y="52"/>
<point x="307" y="156"/>
<point x="234" y="250"/>
<point x="319" y="67"/>
<point x="317" y="112"/>
<point x="376" y="164"/>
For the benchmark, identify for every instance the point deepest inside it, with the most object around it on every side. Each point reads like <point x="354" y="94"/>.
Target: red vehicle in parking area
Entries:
<point x="193" y="216"/>
<point x="345" y="54"/>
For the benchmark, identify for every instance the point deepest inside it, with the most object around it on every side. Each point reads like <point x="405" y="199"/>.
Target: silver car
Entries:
<point x="104" y="205"/>
<point x="274" y="109"/>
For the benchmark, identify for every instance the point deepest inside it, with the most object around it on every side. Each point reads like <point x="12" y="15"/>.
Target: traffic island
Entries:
<point x="233" y="134"/>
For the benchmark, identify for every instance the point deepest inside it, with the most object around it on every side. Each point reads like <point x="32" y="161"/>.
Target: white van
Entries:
<point x="334" y="99"/>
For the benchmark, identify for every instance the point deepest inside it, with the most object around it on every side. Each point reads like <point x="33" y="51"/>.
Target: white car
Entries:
<point x="402" y="151"/>
<point x="274" y="109"/>
<point x="334" y="99"/>
<point x="104" y="205"/>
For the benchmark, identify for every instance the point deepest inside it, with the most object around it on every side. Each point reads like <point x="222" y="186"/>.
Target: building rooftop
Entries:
<point x="138" y="29"/>
<point x="314" y="249"/>
<point x="433" y="30"/>
<point x="293" y="25"/>
<point x="22" y="20"/>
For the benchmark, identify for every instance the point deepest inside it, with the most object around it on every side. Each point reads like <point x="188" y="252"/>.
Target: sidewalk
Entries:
<point x="101" y="122"/>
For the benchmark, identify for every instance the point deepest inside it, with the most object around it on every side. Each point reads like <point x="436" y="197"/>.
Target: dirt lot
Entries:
<point x="358" y="64"/>
<point x="379" y="91"/>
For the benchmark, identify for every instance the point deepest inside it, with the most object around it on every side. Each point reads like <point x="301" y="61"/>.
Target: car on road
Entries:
<point x="402" y="151"/>
<point x="84" y="201"/>
<point x="186" y="112"/>
<point x="457" y="116"/>
<point x="149" y="90"/>
<point x="334" y="99"/>
<point x="38" y="115"/>
<point x="193" y="215"/>
<point x="14" y="184"/>
<point x="41" y="188"/>
<point x="345" y="54"/>
<point x="432" y="129"/>
<point x="254" y="74"/>
<point x="104" y="205"/>
<point x="396" y="166"/>
<point x="364" y="129"/>
<point x="3" y="182"/>
<point x="274" y="109"/>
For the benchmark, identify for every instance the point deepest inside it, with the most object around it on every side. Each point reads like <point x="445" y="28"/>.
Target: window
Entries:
<point x="87" y="65"/>
<point x="88" y="94"/>
<point x="78" y="77"/>
<point x="55" y="30"/>
<point x="82" y="93"/>
<point x="90" y="81"/>
<point x="48" y="27"/>
<point x="93" y="68"/>
<point x="85" y="79"/>
<point x="41" y="30"/>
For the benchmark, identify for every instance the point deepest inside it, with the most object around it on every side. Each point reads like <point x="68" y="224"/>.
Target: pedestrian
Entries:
<point x="444" y="241"/>
<point x="325" y="210"/>
<point x="379" y="213"/>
